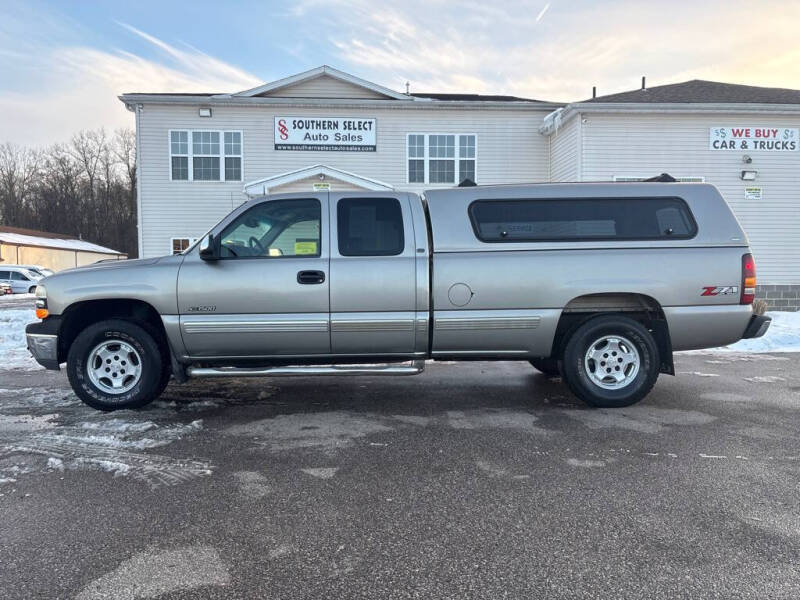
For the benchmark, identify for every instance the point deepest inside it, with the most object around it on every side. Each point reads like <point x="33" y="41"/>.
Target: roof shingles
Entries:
<point x="698" y="91"/>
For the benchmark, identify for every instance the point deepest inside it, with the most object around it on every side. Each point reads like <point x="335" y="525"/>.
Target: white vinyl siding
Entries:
<point x="564" y="152"/>
<point x="511" y="151"/>
<point x="205" y="155"/>
<point x="324" y="86"/>
<point x="650" y="144"/>
<point x="441" y="158"/>
<point x="680" y="178"/>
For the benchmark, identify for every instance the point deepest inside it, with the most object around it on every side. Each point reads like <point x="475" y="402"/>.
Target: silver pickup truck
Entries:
<point x="596" y="282"/>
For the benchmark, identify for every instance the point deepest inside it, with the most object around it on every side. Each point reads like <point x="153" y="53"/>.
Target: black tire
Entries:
<point x="581" y="382"/>
<point x="151" y="381"/>
<point x="32" y="289"/>
<point x="548" y="366"/>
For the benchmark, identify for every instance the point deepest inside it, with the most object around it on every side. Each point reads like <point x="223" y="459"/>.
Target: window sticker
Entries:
<point x="305" y="247"/>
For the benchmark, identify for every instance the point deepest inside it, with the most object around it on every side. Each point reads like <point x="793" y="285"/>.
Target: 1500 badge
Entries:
<point x="719" y="290"/>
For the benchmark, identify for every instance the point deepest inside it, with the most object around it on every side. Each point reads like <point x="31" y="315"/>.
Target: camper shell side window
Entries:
<point x="581" y="219"/>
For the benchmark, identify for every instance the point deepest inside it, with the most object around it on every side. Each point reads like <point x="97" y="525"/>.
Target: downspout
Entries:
<point x="137" y="109"/>
<point x="579" y="144"/>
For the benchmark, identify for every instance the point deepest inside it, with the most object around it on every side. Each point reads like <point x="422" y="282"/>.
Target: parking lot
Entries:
<point x="472" y="480"/>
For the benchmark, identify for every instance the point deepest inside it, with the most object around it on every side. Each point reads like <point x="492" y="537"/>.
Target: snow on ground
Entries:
<point x="34" y="438"/>
<point x="783" y="335"/>
<point x="13" y="347"/>
<point x="14" y="298"/>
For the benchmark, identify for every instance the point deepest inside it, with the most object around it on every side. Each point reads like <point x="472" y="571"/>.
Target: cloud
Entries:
<point x="509" y="47"/>
<point x="54" y="81"/>
<point x="76" y="87"/>
<point x="541" y="12"/>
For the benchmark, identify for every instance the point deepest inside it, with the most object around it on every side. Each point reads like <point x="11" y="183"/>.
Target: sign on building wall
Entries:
<point x="342" y="134"/>
<point x="752" y="193"/>
<point x="773" y="139"/>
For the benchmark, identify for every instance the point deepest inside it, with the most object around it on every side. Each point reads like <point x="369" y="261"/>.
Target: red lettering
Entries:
<point x="738" y="132"/>
<point x="766" y="133"/>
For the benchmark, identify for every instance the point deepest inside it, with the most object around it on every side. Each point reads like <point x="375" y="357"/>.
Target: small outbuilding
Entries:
<point x="53" y="251"/>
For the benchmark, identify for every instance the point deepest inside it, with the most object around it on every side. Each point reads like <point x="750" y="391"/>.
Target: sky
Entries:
<point x="63" y="64"/>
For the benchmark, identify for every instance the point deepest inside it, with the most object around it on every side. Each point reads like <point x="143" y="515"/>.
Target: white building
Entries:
<point x="200" y="155"/>
<point x="52" y="251"/>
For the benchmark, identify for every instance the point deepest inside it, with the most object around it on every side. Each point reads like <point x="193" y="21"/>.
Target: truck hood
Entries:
<point x="114" y="264"/>
<point x="150" y="280"/>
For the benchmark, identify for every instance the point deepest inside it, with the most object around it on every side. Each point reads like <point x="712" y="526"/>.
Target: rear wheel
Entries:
<point x="548" y="366"/>
<point x="32" y="289"/>
<point x="116" y="364"/>
<point x="611" y="361"/>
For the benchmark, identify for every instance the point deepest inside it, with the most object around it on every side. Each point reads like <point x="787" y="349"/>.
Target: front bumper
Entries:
<point x="43" y="342"/>
<point x="757" y="327"/>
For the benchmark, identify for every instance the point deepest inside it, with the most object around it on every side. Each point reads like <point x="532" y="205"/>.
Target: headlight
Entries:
<point x="41" y="302"/>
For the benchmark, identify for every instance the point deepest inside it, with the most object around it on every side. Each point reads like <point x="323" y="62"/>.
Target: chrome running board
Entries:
<point x="415" y="368"/>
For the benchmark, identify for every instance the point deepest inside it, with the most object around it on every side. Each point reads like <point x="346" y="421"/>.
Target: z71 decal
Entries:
<point x="719" y="290"/>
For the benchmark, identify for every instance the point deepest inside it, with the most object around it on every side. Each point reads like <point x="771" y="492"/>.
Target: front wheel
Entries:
<point x="611" y="361"/>
<point x="115" y="364"/>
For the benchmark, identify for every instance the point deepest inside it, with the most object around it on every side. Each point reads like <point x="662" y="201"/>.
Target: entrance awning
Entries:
<point x="263" y="186"/>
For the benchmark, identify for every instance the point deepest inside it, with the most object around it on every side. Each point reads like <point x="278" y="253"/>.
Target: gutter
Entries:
<point x="571" y="110"/>
<point x="131" y="100"/>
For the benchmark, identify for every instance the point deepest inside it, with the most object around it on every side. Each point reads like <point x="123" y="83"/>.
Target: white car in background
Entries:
<point x="37" y="270"/>
<point x="21" y="279"/>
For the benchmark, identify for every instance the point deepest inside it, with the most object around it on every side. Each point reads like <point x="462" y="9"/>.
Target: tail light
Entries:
<point x="748" y="279"/>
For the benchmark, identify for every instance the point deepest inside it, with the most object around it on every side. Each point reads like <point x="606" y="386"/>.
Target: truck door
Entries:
<point x="373" y="274"/>
<point x="268" y="294"/>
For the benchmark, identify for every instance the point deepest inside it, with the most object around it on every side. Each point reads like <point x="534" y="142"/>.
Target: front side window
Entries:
<point x="370" y="227"/>
<point x="205" y="155"/>
<point x="274" y="229"/>
<point x="441" y="158"/>
<point x="581" y="219"/>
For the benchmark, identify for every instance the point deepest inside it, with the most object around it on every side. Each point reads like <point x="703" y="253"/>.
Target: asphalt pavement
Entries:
<point x="473" y="480"/>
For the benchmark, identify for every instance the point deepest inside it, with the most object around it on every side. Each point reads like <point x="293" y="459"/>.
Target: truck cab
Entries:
<point x="325" y="275"/>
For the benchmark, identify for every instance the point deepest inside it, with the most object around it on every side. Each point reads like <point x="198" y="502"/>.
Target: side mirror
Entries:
<point x="208" y="248"/>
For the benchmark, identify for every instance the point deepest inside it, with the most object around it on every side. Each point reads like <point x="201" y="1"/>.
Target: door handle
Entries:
<point x="310" y="277"/>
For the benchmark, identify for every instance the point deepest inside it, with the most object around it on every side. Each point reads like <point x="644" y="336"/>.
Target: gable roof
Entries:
<point x="261" y="186"/>
<point x="18" y="236"/>
<point x="698" y="91"/>
<point x="324" y="70"/>
<point x="475" y="97"/>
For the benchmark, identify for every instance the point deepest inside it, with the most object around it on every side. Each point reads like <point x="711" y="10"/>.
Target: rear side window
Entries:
<point x="581" y="219"/>
<point x="370" y="227"/>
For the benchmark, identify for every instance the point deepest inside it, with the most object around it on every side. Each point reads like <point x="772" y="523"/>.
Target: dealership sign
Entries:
<point x="774" y="139"/>
<point x="340" y="134"/>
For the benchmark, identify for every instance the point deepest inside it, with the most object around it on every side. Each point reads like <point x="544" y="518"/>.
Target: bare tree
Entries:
<point x="86" y="188"/>
<point x="19" y="168"/>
